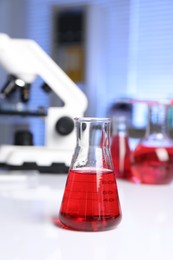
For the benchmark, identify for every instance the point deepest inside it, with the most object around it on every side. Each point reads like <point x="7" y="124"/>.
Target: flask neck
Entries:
<point x="93" y="144"/>
<point x="157" y="121"/>
<point x="93" y="133"/>
<point x="119" y="126"/>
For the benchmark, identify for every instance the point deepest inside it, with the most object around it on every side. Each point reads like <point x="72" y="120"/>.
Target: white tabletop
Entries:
<point x="27" y="232"/>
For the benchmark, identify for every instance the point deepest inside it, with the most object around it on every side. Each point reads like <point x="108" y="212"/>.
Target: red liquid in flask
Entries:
<point x="90" y="201"/>
<point x="121" y="156"/>
<point x="152" y="165"/>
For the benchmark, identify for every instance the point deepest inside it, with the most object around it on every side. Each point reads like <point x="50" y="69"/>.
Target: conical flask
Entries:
<point x="90" y="201"/>
<point x="152" y="159"/>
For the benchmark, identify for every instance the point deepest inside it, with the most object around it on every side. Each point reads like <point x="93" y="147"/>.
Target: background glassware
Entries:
<point x="120" y="149"/>
<point x="152" y="160"/>
<point x="91" y="201"/>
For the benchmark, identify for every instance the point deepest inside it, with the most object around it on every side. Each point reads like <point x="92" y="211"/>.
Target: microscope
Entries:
<point x="24" y="60"/>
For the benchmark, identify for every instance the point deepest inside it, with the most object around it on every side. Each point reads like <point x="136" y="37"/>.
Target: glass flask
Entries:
<point x="90" y="201"/>
<point x="120" y="148"/>
<point x="152" y="159"/>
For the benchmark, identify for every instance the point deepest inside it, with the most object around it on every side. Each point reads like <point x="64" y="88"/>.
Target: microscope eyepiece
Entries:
<point x="25" y="93"/>
<point x="11" y="86"/>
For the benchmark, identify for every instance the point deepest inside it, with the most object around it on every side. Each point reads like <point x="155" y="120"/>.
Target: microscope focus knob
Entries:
<point x="64" y="125"/>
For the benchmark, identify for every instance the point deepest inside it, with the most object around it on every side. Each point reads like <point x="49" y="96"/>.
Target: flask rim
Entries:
<point x="92" y="119"/>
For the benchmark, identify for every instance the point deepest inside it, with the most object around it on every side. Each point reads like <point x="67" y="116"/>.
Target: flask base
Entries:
<point x="152" y="165"/>
<point x="88" y="223"/>
<point x="153" y="175"/>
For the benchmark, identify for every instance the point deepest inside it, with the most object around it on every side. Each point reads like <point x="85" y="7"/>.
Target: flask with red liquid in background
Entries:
<point x="152" y="159"/>
<point x="90" y="201"/>
<point x="120" y="148"/>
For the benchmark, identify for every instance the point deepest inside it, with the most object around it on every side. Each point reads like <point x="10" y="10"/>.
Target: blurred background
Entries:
<point x="114" y="50"/>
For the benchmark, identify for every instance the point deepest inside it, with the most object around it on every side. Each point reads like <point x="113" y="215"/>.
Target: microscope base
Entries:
<point x="55" y="168"/>
<point x="43" y="159"/>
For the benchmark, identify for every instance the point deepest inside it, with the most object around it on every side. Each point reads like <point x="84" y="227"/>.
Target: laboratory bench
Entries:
<point x="28" y="202"/>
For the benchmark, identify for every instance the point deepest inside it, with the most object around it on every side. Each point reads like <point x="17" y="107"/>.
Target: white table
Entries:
<point x="27" y="233"/>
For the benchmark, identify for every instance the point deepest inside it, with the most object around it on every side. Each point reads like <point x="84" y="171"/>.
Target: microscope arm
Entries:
<point x="56" y="78"/>
<point x="24" y="58"/>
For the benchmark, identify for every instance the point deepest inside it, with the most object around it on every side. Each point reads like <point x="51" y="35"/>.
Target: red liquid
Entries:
<point x="90" y="201"/>
<point x="121" y="156"/>
<point x="152" y="165"/>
